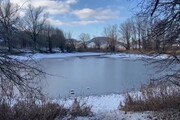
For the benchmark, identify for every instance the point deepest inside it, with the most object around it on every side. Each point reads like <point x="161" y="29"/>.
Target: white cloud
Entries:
<point x="84" y="13"/>
<point x="85" y="22"/>
<point x="99" y="14"/>
<point x="73" y="23"/>
<point x="51" y="6"/>
<point x="56" y="8"/>
<point x="56" y="22"/>
<point x="71" y="1"/>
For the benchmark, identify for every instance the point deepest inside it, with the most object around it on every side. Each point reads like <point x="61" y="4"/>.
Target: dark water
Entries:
<point x="94" y="76"/>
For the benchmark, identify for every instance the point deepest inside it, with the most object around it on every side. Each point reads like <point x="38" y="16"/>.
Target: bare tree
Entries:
<point x="70" y="42"/>
<point x="97" y="42"/>
<point x="48" y="31"/>
<point x="16" y="76"/>
<point x="143" y="28"/>
<point x="111" y="32"/>
<point x="139" y="30"/>
<point x="125" y="30"/>
<point x="34" y="21"/>
<point x="68" y="35"/>
<point x="134" y="35"/>
<point x="84" y="37"/>
<point x="8" y="19"/>
<point x="167" y="12"/>
<point x="168" y="16"/>
<point x="59" y="39"/>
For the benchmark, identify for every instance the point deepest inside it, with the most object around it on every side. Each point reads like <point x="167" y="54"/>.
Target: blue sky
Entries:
<point x="84" y="16"/>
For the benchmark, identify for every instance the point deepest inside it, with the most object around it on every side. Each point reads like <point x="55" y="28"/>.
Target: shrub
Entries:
<point x="80" y="110"/>
<point x="29" y="110"/>
<point x="153" y="97"/>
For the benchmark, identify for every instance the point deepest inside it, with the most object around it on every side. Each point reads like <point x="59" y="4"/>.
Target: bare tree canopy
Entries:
<point x="18" y="76"/>
<point x="34" y="21"/>
<point x="84" y="37"/>
<point x="164" y="16"/>
<point x="70" y="42"/>
<point x="125" y="30"/>
<point x="111" y="32"/>
<point x="8" y="19"/>
<point x="59" y="39"/>
<point x="15" y="75"/>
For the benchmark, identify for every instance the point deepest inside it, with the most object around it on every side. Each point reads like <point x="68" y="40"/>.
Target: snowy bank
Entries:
<point x="135" y="56"/>
<point x="104" y="108"/>
<point x="105" y="103"/>
<point x="38" y="56"/>
<point x="53" y="55"/>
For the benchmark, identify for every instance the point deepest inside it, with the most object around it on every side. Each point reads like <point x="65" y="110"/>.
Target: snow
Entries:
<point x="117" y="115"/>
<point x="53" y="55"/>
<point x="104" y="107"/>
<point x="105" y="103"/>
<point x="85" y="54"/>
<point x="64" y="55"/>
<point x="135" y="56"/>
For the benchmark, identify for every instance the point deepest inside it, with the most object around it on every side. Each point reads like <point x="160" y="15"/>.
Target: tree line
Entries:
<point x="34" y="32"/>
<point x="143" y="34"/>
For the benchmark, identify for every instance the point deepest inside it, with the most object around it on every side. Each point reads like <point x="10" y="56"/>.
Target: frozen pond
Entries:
<point x="86" y="76"/>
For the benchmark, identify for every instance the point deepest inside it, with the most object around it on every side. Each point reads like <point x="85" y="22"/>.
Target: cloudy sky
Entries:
<point x="84" y="16"/>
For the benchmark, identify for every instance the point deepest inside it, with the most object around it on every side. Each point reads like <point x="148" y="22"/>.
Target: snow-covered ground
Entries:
<point x="85" y="54"/>
<point x="99" y="103"/>
<point x="119" y="115"/>
<point x="135" y="56"/>
<point x="104" y="108"/>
